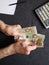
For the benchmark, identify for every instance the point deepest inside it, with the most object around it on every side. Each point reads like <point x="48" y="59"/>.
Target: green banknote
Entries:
<point x="32" y="36"/>
<point x="31" y="30"/>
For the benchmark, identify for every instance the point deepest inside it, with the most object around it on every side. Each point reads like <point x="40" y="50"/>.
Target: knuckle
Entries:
<point x="18" y="26"/>
<point x="34" y="47"/>
<point x="27" y="52"/>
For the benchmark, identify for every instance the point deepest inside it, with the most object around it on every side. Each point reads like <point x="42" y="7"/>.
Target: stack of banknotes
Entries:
<point x="32" y="36"/>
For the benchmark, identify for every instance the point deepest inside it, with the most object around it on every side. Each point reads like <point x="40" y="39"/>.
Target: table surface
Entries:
<point x="25" y="16"/>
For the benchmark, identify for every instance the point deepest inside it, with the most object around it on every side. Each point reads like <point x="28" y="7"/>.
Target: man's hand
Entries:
<point x="24" y="47"/>
<point x="10" y="30"/>
<point x="21" y="47"/>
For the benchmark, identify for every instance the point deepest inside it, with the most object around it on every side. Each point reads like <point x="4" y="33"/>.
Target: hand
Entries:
<point x="12" y="30"/>
<point x="24" y="47"/>
<point x="9" y="29"/>
<point x="21" y="46"/>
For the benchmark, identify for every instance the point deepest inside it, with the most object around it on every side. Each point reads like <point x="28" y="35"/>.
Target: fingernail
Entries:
<point x="32" y="44"/>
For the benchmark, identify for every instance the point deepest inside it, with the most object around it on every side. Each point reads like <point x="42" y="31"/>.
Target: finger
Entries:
<point x="27" y="52"/>
<point x="15" y="30"/>
<point x="32" y="44"/>
<point x="18" y="34"/>
<point x="19" y="37"/>
<point x="16" y="27"/>
<point x="30" y="48"/>
<point x="8" y="30"/>
<point x="26" y="43"/>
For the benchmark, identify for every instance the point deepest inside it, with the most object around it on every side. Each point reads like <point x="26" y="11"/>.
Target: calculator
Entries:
<point x="43" y="14"/>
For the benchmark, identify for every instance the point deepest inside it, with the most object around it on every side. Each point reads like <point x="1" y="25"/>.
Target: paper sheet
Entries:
<point x="5" y="8"/>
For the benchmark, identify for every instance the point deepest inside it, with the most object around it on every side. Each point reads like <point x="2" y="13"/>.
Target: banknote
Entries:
<point x="32" y="35"/>
<point x="39" y="38"/>
<point x="26" y="31"/>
